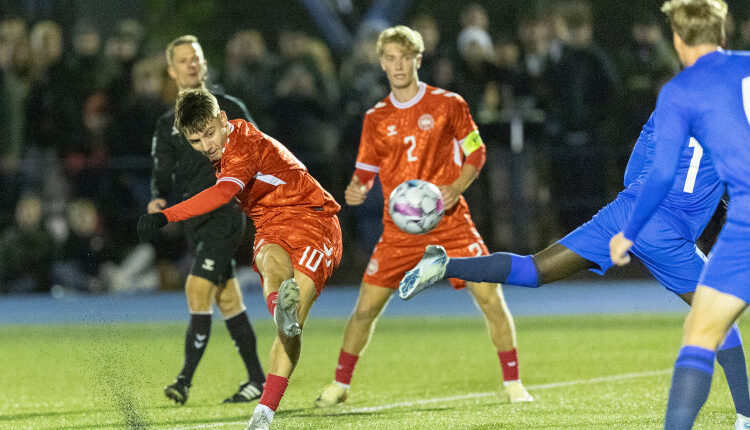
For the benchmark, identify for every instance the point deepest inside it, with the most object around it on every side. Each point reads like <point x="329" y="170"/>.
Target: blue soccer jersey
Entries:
<point x="666" y="244"/>
<point x="709" y="101"/>
<point x="695" y="191"/>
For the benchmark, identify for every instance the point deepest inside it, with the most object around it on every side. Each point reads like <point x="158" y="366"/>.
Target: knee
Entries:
<point x="198" y="296"/>
<point x="229" y="304"/>
<point x="488" y="296"/>
<point x="365" y="314"/>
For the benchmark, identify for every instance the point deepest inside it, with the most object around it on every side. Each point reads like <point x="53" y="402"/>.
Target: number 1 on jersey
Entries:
<point x="410" y="140"/>
<point x="695" y="164"/>
<point x="746" y="97"/>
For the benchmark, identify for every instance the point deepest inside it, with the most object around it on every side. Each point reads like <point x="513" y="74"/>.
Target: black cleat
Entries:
<point x="177" y="391"/>
<point x="248" y="392"/>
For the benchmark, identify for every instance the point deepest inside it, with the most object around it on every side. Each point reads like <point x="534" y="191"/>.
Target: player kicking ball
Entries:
<point x="419" y="132"/>
<point x="298" y="237"/>
<point x="708" y="102"/>
<point x="666" y="246"/>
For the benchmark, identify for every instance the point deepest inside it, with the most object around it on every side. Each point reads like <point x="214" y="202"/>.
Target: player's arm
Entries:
<point x="476" y="154"/>
<point x="366" y="167"/>
<point x="671" y="133"/>
<point x="201" y="203"/>
<point x="164" y="161"/>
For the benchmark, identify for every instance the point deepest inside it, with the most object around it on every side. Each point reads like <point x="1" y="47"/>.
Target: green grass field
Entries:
<point x="586" y="372"/>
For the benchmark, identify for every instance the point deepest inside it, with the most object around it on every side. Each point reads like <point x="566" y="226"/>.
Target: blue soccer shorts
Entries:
<point x="728" y="268"/>
<point x="676" y="262"/>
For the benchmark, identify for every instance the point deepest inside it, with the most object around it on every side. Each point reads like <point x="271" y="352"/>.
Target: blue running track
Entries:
<point x="603" y="297"/>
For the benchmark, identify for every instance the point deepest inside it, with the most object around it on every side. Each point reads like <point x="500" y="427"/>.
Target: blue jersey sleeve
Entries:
<point x="671" y="133"/>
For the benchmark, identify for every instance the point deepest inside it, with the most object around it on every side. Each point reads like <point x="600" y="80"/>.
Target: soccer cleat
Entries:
<point x="285" y="313"/>
<point x="742" y="423"/>
<point x="248" y="392"/>
<point x="429" y="270"/>
<point x="177" y="391"/>
<point x="261" y="419"/>
<point x="516" y="392"/>
<point x="333" y="394"/>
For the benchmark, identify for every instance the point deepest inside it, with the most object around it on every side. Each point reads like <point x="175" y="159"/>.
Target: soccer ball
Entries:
<point x="416" y="206"/>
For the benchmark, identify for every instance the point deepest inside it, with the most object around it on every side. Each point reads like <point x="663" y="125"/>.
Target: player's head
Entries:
<point x="205" y="126"/>
<point x="186" y="63"/>
<point x="696" y="22"/>
<point x="400" y="50"/>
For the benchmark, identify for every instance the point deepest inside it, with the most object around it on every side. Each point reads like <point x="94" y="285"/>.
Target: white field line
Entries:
<point x="420" y="402"/>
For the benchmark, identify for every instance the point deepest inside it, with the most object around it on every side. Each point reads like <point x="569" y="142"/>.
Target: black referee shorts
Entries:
<point x="214" y="239"/>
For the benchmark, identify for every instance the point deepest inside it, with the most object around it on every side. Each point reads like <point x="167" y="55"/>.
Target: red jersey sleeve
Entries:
<point x="367" y="156"/>
<point x="464" y="129"/>
<point x="203" y="202"/>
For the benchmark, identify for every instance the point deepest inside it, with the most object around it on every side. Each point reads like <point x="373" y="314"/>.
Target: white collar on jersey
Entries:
<point x="414" y="100"/>
<point x="231" y="129"/>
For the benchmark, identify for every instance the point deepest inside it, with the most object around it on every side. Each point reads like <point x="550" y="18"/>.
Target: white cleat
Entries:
<point x="516" y="392"/>
<point x="333" y="394"/>
<point x="261" y="419"/>
<point x="429" y="270"/>
<point x="285" y="314"/>
<point x="742" y="423"/>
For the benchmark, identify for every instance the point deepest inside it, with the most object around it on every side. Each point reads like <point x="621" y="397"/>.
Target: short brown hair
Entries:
<point x="182" y="40"/>
<point x="697" y="21"/>
<point x="194" y="109"/>
<point x="409" y="39"/>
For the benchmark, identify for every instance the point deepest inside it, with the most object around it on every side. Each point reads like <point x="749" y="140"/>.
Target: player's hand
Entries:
<point x="618" y="249"/>
<point x="156" y="205"/>
<point x="149" y="225"/>
<point x="450" y="196"/>
<point x="355" y="193"/>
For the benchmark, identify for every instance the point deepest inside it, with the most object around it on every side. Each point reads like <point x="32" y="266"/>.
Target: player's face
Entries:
<point x="399" y="65"/>
<point x="210" y="142"/>
<point x="188" y="67"/>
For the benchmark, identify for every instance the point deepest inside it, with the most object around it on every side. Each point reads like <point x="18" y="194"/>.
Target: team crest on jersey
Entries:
<point x="372" y="267"/>
<point x="426" y="122"/>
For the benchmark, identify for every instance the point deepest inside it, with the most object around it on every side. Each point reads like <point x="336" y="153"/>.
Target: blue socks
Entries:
<point x="731" y="357"/>
<point x="500" y="268"/>
<point x="691" y="382"/>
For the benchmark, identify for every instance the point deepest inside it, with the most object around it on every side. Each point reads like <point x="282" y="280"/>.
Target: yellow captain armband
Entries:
<point x="472" y="142"/>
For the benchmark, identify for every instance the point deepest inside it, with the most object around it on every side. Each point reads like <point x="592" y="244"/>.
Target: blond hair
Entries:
<point x="194" y="110"/>
<point x="697" y="21"/>
<point x="182" y="40"/>
<point x="409" y="39"/>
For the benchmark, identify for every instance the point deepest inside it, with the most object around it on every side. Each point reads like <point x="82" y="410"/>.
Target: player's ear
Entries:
<point x="419" y="61"/>
<point x="172" y="73"/>
<point x="224" y="119"/>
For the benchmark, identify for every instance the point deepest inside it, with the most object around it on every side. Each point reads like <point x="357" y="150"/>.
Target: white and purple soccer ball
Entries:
<point x="416" y="206"/>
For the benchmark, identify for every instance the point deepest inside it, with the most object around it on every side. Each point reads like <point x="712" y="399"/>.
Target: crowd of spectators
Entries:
<point x="78" y="106"/>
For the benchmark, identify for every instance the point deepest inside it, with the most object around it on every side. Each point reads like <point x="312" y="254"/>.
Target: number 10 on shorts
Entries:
<point x="312" y="257"/>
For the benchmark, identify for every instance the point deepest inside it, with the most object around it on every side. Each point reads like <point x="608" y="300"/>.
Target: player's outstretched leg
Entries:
<point x="285" y="313"/>
<point x="429" y="270"/>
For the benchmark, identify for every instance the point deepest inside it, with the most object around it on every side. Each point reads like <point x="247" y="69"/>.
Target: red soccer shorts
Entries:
<point x="312" y="241"/>
<point x="397" y="252"/>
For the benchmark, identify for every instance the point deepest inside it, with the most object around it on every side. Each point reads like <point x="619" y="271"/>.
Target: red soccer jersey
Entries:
<point x="271" y="177"/>
<point x="424" y="138"/>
